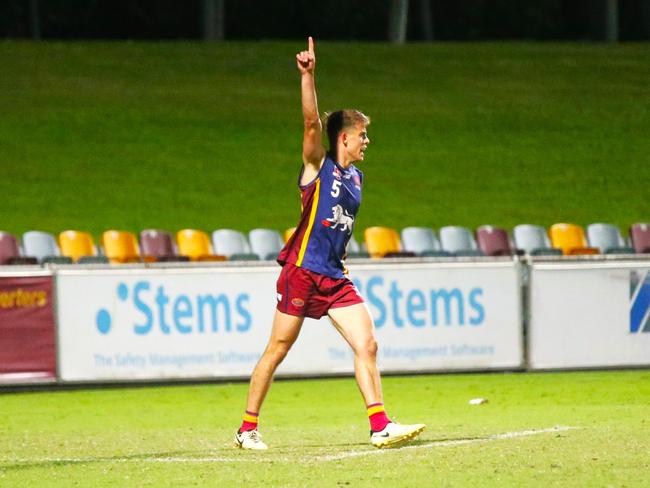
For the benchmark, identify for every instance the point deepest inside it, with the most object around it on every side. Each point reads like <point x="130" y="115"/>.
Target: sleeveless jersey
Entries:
<point x="329" y="206"/>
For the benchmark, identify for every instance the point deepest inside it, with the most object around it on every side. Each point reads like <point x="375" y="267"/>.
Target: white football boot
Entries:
<point x="395" y="434"/>
<point x="249" y="439"/>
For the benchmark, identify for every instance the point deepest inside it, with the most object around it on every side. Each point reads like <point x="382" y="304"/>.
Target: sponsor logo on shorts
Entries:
<point x="298" y="302"/>
<point x="279" y="297"/>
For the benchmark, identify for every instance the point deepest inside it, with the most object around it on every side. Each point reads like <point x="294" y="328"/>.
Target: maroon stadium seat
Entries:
<point x="640" y="237"/>
<point x="493" y="241"/>
<point x="10" y="252"/>
<point x="8" y="247"/>
<point x="159" y="245"/>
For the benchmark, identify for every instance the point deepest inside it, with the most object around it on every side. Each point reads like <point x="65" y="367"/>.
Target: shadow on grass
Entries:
<point x="18" y="465"/>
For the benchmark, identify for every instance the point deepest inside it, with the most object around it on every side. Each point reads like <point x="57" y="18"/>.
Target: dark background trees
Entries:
<point x="457" y="20"/>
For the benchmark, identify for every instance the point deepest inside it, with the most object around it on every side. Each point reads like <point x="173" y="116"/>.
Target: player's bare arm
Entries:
<point x="313" y="152"/>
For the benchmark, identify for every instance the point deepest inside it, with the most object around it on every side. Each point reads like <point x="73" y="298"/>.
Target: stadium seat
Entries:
<point x="493" y="241"/>
<point x="266" y="243"/>
<point x="381" y="241"/>
<point x="228" y="242"/>
<point x="420" y="240"/>
<point x="120" y="246"/>
<point x="608" y="239"/>
<point x="354" y="250"/>
<point x="533" y="240"/>
<point x="158" y="245"/>
<point x="353" y="246"/>
<point x="10" y="251"/>
<point x="640" y="237"/>
<point x="41" y="245"/>
<point x="458" y="241"/>
<point x="195" y="244"/>
<point x="288" y="233"/>
<point x="75" y="244"/>
<point x="571" y="239"/>
<point x="8" y="247"/>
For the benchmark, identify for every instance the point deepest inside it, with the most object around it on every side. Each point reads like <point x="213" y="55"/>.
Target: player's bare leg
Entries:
<point x="283" y="334"/>
<point x="355" y="324"/>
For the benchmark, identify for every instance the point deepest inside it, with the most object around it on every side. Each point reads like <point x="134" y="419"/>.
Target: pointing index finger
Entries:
<point x="310" y="42"/>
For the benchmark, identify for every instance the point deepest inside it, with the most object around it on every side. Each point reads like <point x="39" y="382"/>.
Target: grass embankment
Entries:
<point x="171" y="135"/>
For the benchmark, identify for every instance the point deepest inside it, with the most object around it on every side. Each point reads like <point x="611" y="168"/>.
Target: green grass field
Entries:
<point x="181" y="435"/>
<point x="171" y="135"/>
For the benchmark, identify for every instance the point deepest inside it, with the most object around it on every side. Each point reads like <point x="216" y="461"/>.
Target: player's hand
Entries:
<point x="306" y="60"/>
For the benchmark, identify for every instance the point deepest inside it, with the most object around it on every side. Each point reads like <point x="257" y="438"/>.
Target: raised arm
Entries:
<point x="313" y="152"/>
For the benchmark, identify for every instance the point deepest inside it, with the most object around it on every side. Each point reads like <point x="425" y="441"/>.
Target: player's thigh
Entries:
<point x="355" y="324"/>
<point x="285" y="329"/>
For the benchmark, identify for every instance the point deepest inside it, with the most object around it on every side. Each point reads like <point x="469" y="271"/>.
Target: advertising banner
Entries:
<point x="589" y="315"/>
<point x="27" y="348"/>
<point x="126" y="324"/>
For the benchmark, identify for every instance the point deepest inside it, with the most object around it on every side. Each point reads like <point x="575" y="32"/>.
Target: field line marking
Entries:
<point x="323" y="458"/>
<point x="453" y="442"/>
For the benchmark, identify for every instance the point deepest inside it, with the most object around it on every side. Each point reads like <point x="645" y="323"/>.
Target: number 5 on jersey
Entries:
<point x="336" y="188"/>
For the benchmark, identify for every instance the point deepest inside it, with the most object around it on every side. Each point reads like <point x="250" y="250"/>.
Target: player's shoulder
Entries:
<point x="356" y="171"/>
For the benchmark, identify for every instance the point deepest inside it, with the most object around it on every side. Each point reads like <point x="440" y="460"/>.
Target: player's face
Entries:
<point x="357" y="141"/>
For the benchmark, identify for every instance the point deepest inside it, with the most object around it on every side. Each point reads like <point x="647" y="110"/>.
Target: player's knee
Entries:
<point x="368" y="349"/>
<point x="279" y="349"/>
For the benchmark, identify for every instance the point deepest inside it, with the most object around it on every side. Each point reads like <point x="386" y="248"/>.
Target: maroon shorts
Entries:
<point x="304" y="293"/>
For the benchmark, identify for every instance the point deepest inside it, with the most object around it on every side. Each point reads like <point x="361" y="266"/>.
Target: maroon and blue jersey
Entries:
<point x="329" y="206"/>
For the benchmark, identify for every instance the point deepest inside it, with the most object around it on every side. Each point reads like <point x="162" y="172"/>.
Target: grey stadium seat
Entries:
<point x="353" y="245"/>
<point x="228" y="242"/>
<point x="40" y="244"/>
<point x="608" y="239"/>
<point x="420" y="240"/>
<point x="354" y="250"/>
<point x="266" y="243"/>
<point x="533" y="239"/>
<point x="458" y="241"/>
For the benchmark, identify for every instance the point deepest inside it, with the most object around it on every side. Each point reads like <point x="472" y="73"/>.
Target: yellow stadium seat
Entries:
<point x="76" y="244"/>
<point x="570" y="238"/>
<point x="120" y="246"/>
<point x="195" y="244"/>
<point x="288" y="233"/>
<point x="381" y="241"/>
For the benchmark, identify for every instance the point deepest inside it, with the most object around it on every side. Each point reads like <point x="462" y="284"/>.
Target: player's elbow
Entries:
<point x="312" y="124"/>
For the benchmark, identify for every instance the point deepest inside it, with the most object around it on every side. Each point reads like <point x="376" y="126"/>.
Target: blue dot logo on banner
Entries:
<point x="103" y="321"/>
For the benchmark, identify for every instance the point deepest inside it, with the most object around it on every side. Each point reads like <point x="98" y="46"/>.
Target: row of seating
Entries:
<point x="226" y="244"/>
<point x="561" y="239"/>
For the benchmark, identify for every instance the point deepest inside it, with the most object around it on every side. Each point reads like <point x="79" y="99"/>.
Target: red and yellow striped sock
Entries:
<point x="377" y="416"/>
<point x="250" y="421"/>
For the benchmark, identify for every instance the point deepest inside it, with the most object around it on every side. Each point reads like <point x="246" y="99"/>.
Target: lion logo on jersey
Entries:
<point x="340" y="218"/>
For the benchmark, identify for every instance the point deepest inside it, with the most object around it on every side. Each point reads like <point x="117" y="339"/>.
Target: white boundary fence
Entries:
<point x="589" y="314"/>
<point x="150" y="324"/>
<point x="157" y="322"/>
